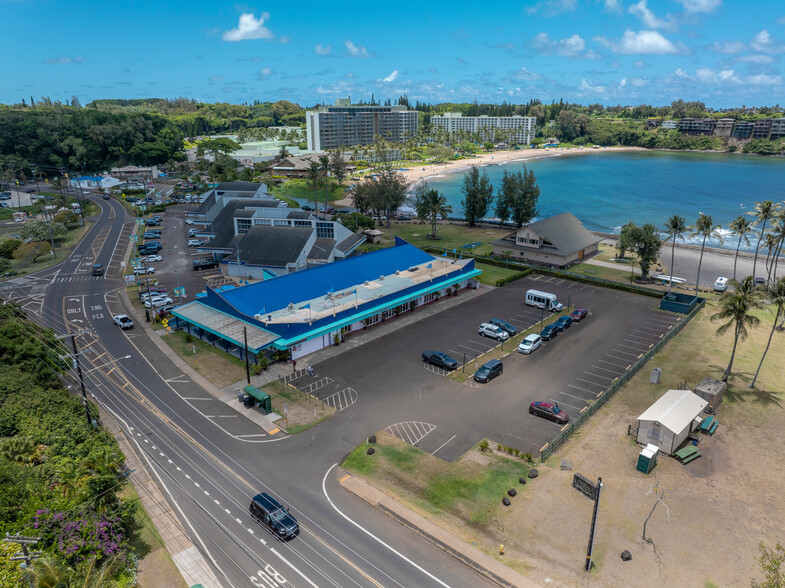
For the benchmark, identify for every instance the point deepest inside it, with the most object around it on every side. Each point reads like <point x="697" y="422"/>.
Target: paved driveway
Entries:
<point x="394" y="390"/>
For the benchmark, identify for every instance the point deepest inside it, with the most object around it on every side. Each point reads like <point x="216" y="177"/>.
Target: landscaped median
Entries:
<point x="501" y="350"/>
<point x="303" y="411"/>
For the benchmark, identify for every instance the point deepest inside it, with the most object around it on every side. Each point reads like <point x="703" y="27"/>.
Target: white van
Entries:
<point x="721" y="284"/>
<point x="544" y="300"/>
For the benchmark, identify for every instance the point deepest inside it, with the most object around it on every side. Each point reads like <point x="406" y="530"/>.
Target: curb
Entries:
<point x="447" y="542"/>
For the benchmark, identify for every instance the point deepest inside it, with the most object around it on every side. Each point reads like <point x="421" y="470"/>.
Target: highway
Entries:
<point x="210" y="460"/>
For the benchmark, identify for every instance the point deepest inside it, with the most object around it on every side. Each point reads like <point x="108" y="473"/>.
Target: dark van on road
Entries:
<point x="488" y="371"/>
<point x="266" y="509"/>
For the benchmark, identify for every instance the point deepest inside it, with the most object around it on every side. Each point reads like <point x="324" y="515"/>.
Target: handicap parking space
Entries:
<point x="571" y="370"/>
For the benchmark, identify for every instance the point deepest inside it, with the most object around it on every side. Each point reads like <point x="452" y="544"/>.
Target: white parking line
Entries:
<point x="597" y="375"/>
<point x="614" y="372"/>
<point x="590" y="382"/>
<point x="637" y="351"/>
<point x="619" y="358"/>
<point x="442" y="445"/>
<point x="564" y="403"/>
<point x="582" y="389"/>
<point x="573" y="395"/>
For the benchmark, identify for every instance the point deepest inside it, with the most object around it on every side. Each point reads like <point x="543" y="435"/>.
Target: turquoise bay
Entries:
<point x="605" y="190"/>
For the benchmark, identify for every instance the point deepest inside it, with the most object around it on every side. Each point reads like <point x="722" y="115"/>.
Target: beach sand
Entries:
<point x="416" y="174"/>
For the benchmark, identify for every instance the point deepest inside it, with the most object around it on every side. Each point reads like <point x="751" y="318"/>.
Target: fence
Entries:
<point x="548" y="449"/>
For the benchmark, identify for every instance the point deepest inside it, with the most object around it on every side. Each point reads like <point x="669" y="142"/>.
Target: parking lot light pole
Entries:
<point x="542" y="317"/>
<point x="569" y="300"/>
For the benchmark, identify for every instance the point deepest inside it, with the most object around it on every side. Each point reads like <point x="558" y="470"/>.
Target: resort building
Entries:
<point x="742" y="130"/>
<point x="346" y="125"/>
<point x="317" y="307"/>
<point x="671" y="125"/>
<point x="694" y="126"/>
<point x="558" y="241"/>
<point x="724" y="127"/>
<point x="490" y="128"/>
<point x="761" y="129"/>
<point x="777" y="128"/>
<point x="299" y="165"/>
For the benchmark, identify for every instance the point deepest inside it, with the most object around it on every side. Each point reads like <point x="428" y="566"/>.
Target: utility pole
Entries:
<point x="81" y="379"/>
<point x="25" y="555"/>
<point x="590" y="548"/>
<point x="247" y="366"/>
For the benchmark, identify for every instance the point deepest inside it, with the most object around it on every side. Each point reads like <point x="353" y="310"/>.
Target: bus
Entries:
<point x="544" y="300"/>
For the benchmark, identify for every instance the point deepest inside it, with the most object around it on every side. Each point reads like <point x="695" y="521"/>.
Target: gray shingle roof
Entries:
<point x="299" y="214"/>
<point x="321" y="249"/>
<point x="273" y="246"/>
<point x="238" y="186"/>
<point x="564" y="231"/>
<point x="351" y="241"/>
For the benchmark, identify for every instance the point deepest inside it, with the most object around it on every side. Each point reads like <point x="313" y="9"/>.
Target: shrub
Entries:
<point x="484" y="445"/>
<point x="8" y="247"/>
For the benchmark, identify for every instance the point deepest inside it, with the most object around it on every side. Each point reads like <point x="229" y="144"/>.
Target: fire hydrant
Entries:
<point x="501" y="549"/>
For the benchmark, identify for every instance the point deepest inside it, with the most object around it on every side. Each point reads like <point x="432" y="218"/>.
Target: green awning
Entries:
<point x="253" y="391"/>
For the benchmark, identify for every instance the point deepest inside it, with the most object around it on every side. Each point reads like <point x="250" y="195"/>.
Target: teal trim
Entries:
<point x="286" y="343"/>
<point x="224" y="337"/>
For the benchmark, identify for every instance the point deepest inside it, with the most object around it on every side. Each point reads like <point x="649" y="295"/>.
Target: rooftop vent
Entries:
<point x="365" y="283"/>
<point x="291" y="306"/>
<point x="397" y="272"/>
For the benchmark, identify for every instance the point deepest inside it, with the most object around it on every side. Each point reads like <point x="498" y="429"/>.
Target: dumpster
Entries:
<point x="262" y="398"/>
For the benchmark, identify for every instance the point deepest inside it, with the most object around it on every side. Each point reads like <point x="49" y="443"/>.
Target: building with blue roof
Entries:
<point x="307" y="310"/>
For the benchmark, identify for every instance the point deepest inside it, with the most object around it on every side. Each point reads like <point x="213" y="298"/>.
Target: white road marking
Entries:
<point x="442" y="445"/>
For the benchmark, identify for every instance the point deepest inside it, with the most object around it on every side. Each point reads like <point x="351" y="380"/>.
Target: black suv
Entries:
<point x="201" y="264"/>
<point x="149" y="248"/>
<point x="266" y="509"/>
<point x="488" y="371"/>
<point x="440" y="359"/>
<point x="504" y="326"/>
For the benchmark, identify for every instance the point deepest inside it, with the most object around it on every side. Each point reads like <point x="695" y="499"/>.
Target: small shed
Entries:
<point x="711" y="391"/>
<point x="261" y="398"/>
<point x="669" y="421"/>
<point x="374" y="236"/>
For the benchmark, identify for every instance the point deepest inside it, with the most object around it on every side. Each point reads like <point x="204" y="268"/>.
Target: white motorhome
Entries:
<point x="544" y="300"/>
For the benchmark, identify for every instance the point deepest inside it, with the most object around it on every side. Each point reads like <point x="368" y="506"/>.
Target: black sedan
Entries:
<point x="549" y="332"/>
<point x="439" y="359"/>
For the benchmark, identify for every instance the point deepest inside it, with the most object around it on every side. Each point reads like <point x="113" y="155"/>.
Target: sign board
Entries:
<point x="130" y="280"/>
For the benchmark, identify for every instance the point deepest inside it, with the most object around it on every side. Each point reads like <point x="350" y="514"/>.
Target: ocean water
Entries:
<point x="606" y="190"/>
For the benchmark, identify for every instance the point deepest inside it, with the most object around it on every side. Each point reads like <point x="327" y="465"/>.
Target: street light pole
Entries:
<point x="81" y="379"/>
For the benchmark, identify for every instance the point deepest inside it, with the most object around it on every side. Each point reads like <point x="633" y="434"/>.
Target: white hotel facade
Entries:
<point x="485" y="126"/>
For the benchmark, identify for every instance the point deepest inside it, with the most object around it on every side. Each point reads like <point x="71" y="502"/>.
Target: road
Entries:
<point x="210" y="460"/>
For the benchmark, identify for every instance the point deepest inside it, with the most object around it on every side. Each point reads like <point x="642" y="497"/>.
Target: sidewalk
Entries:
<point x="462" y="551"/>
<point x="616" y="266"/>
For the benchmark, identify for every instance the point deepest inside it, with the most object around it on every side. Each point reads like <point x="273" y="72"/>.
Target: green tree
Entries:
<point x="736" y="305"/>
<point x="771" y="562"/>
<point x="505" y="199"/>
<point x="675" y="228"/>
<point x="216" y="147"/>
<point x="626" y="241"/>
<point x="5" y="266"/>
<point x="430" y="204"/>
<point x="742" y="227"/>
<point x="354" y="221"/>
<point x="775" y="294"/>
<point x="646" y="244"/>
<point x="338" y="165"/>
<point x="524" y="207"/>
<point x="705" y="228"/>
<point x="283" y="152"/>
<point x="324" y="169"/>
<point x="478" y="195"/>
<point x="313" y="176"/>
<point x="763" y="210"/>
<point x="31" y="251"/>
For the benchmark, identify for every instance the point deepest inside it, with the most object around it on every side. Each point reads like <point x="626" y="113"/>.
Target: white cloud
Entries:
<point x="525" y="74"/>
<point x="759" y="59"/>
<point x="356" y="50"/>
<point x="612" y="5"/>
<point x="705" y="6"/>
<point x="639" y="64"/>
<point x="706" y="75"/>
<point x="727" y="47"/>
<point x="323" y="49"/>
<point x="569" y="47"/>
<point x="764" y="80"/>
<point x="216" y="79"/>
<point x="392" y="77"/>
<point x="264" y="73"/>
<point x="64" y="59"/>
<point x="588" y="86"/>
<point x="765" y="43"/>
<point x="249" y="28"/>
<point x="647" y="17"/>
<point x="640" y="43"/>
<point x="553" y="7"/>
<point x="285" y="39"/>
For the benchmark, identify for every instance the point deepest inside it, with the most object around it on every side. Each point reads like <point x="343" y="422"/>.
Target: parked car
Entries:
<point x="156" y="301"/>
<point x="549" y="411"/>
<point x="201" y="264"/>
<point x="149" y="249"/>
<point x="488" y="371"/>
<point x="504" y="326"/>
<point x="140" y="271"/>
<point x="5" y="195"/>
<point x="404" y="217"/>
<point x="529" y="343"/>
<point x="759" y="281"/>
<point x="549" y="332"/>
<point x="563" y="322"/>
<point x="153" y="258"/>
<point x="579" y="314"/>
<point x="132" y="200"/>
<point x="98" y="269"/>
<point x="166" y="310"/>
<point x="721" y="284"/>
<point x="265" y="509"/>
<point x="439" y="359"/>
<point x="328" y="211"/>
<point x="123" y="321"/>
<point x="194" y="243"/>
<point x="153" y="223"/>
<point x="3" y="205"/>
<point x="151" y="235"/>
<point x="192" y="232"/>
<point x="492" y="331"/>
<point x="306" y="208"/>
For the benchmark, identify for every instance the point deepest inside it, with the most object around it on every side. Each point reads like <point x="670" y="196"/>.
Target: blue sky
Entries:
<point x="722" y="52"/>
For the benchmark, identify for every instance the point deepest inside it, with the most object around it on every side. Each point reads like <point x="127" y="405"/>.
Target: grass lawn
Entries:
<point x="303" y="189"/>
<point x="606" y="273"/>
<point x="63" y="248"/>
<point x="492" y="273"/>
<point x="304" y="411"/>
<point x="155" y="563"/>
<point x="468" y="490"/>
<point x="213" y="363"/>
<point x="452" y="236"/>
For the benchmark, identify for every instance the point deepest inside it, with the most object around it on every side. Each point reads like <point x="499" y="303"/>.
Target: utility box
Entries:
<point x="262" y="398"/>
<point x="655" y="376"/>
<point x="647" y="458"/>
<point x="711" y="391"/>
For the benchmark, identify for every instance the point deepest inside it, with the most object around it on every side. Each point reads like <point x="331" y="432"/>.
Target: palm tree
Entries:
<point x="283" y="152"/>
<point x="772" y="239"/>
<point x="741" y="227"/>
<point x="429" y="204"/>
<point x="704" y="227"/>
<point x="735" y="306"/>
<point x="775" y="293"/>
<point x="313" y="175"/>
<point x="763" y="210"/>
<point x="675" y="227"/>
<point x="324" y="167"/>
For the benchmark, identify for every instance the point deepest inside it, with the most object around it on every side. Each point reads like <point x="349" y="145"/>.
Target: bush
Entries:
<point x="32" y="251"/>
<point x="8" y="247"/>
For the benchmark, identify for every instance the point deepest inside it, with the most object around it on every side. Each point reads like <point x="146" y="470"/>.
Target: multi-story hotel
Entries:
<point x="344" y="125"/>
<point x="488" y="126"/>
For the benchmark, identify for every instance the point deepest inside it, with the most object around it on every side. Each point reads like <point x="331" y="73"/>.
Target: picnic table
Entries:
<point x="471" y="245"/>
<point x="686" y="454"/>
<point x="709" y="425"/>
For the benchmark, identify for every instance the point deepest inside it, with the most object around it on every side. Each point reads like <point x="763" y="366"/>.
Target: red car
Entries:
<point x="579" y="314"/>
<point x="549" y="411"/>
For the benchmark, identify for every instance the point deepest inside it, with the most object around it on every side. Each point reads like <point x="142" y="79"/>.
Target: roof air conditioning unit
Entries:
<point x="291" y="306"/>
<point x="381" y="278"/>
<point x="397" y="272"/>
<point x="365" y="283"/>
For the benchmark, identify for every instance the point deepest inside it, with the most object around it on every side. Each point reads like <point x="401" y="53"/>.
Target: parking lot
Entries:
<point x="396" y="391"/>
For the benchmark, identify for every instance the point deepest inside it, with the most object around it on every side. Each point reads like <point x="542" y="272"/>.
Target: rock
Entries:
<point x="512" y="492"/>
<point x="533" y="473"/>
<point x="370" y="451"/>
<point x="626" y="555"/>
<point x="372" y="439"/>
<point x="522" y="480"/>
<point x="506" y="501"/>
